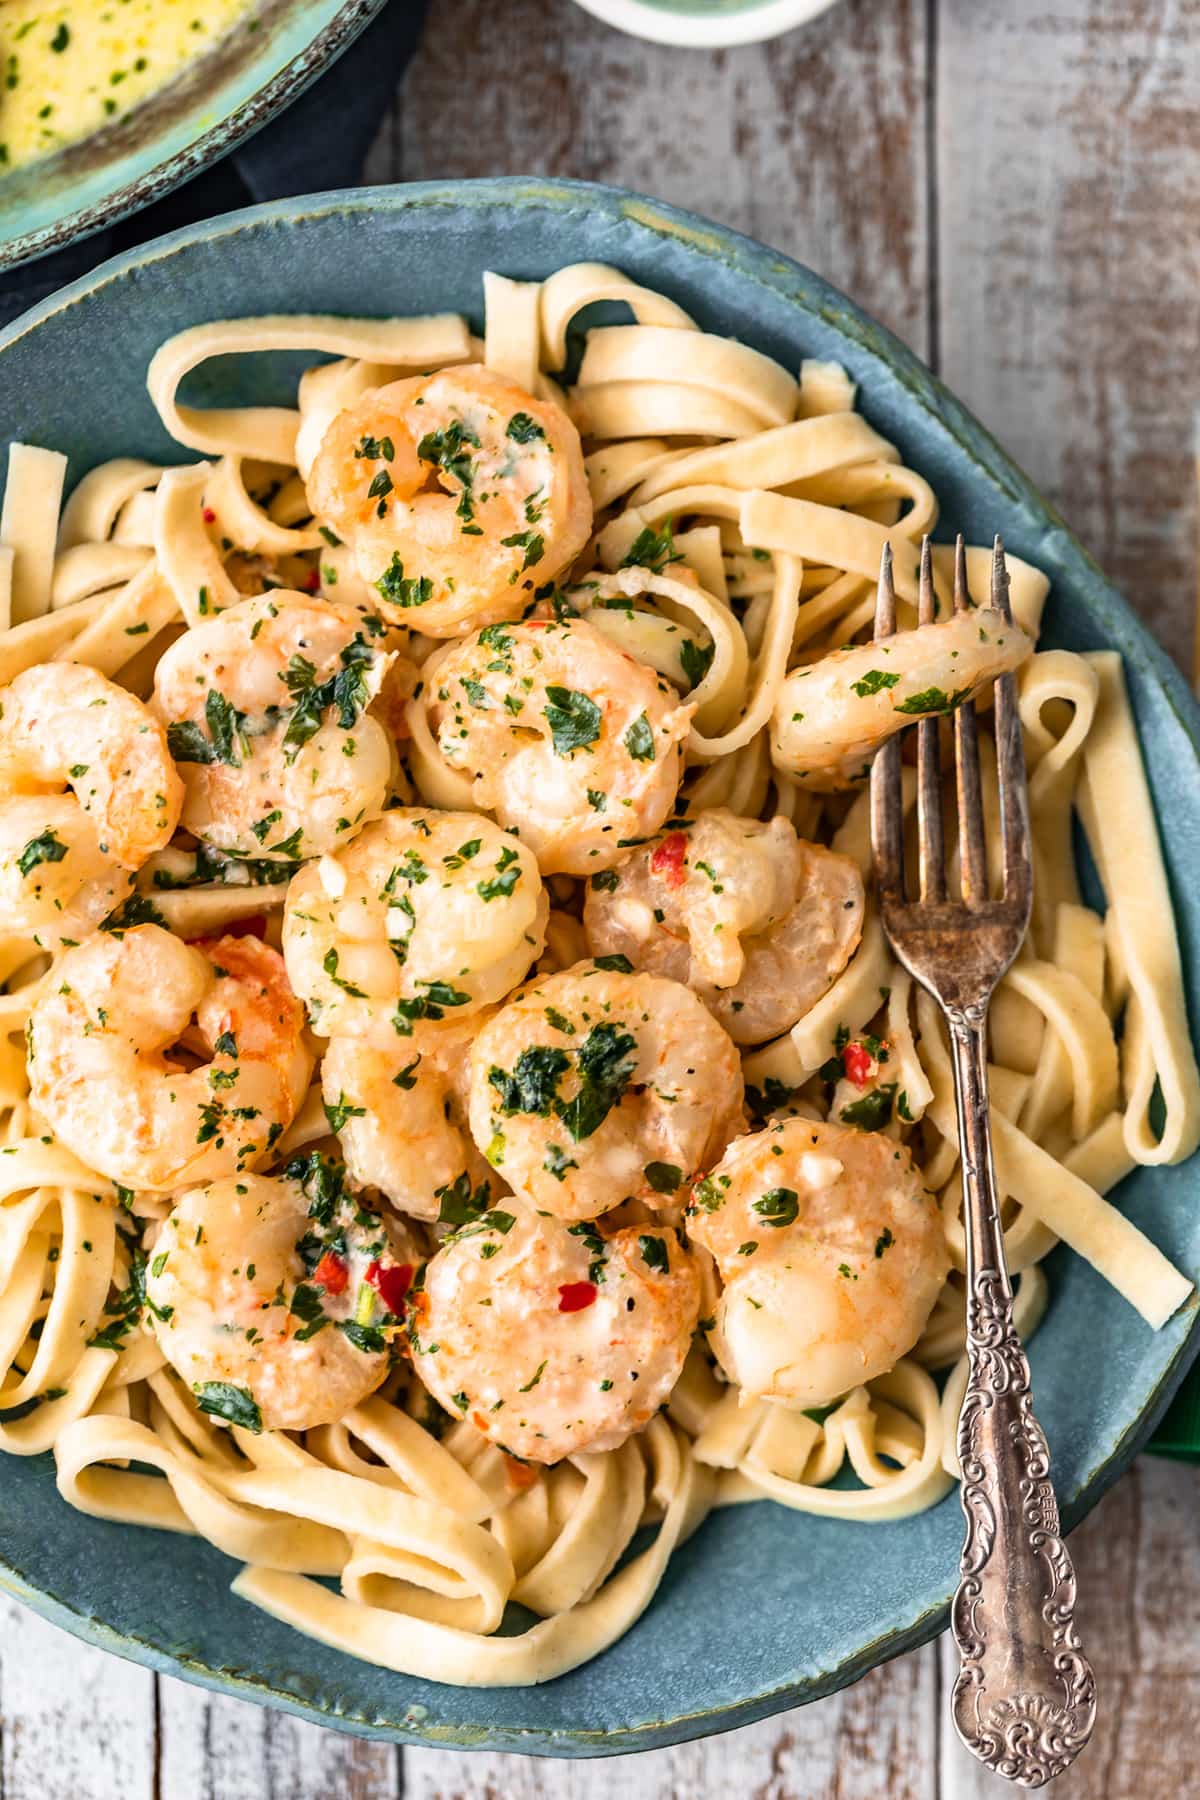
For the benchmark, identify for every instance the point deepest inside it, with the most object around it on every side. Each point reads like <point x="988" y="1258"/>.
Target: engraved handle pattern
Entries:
<point x="1024" y="1702"/>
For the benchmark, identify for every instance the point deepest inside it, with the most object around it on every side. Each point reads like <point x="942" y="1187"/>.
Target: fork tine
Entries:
<point x="972" y="851"/>
<point x="962" y="599"/>
<point x="887" y="806"/>
<point x="1010" y="764"/>
<point x="1000" y="579"/>
<point x="930" y="832"/>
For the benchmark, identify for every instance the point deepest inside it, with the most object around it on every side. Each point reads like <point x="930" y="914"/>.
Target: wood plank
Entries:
<point x="814" y="143"/>
<point x="875" y="1739"/>
<point x="1068" y="171"/>
<point x="213" y="1748"/>
<point x="1137" y="1558"/>
<point x="73" y="1721"/>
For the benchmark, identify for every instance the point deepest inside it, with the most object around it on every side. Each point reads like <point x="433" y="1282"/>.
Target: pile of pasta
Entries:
<point x="398" y="1534"/>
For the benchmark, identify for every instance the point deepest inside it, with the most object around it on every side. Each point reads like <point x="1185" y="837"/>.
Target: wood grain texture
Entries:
<point x="874" y="1740"/>
<point x="73" y="1721"/>
<point x="1068" y="186"/>
<point x="814" y="143"/>
<point x="214" y="1748"/>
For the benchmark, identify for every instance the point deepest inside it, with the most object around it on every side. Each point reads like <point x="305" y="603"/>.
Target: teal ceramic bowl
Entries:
<point x="764" y="1608"/>
<point x="253" y="72"/>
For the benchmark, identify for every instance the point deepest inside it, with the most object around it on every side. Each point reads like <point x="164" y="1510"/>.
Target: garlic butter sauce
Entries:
<point x="67" y="69"/>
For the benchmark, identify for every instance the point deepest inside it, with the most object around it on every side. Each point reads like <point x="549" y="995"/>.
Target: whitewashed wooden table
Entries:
<point x="1014" y="188"/>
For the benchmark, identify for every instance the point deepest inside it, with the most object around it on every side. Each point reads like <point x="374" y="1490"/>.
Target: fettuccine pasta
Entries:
<point x="462" y="1120"/>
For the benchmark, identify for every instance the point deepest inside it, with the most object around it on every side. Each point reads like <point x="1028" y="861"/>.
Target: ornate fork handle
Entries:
<point x="1025" y="1699"/>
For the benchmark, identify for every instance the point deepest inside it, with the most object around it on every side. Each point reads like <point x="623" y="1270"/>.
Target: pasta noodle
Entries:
<point x="740" y="512"/>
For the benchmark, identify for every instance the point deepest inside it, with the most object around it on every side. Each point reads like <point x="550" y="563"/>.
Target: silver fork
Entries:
<point x="1024" y="1702"/>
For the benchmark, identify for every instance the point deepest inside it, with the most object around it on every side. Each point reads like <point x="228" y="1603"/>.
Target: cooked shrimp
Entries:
<point x="276" y="1298"/>
<point x="58" y="877"/>
<point x="459" y="492"/>
<point x="399" y="1111"/>
<point x="596" y="1085"/>
<point x="831" y="717"/>
<point x="266" y="708"/>
<point x="425" y="911"/>
<point x="570" y="742"/>
<point x="554" y="1339"/>
<point x="103" y="1077"/>
<point x="832" y="1255"/>
<point x="66" y="858"/>
<point x="752" y="918"/>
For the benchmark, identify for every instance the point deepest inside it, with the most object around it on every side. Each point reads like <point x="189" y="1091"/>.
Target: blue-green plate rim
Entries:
<point x="786" y="278"/>
<point x="223" y="135"/>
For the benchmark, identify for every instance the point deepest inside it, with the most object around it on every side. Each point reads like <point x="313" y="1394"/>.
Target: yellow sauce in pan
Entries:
<point x="66" y="69"/>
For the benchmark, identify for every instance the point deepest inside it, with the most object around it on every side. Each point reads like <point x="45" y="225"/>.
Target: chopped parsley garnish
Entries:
<point x="778" y="1206"/>
<point x="769" y="1098"/>
<point x="707" y="1195"/>
<point x="341" y="1111"/>
<point x="654" y="1254"/>
<point x="932" y="700"/>
<point x="639" y="740"/>
<point x="531" y="542"/>
<point x="330" y="965"/>
<point x="604" y="1066"/>
<point x="502" y="883"/>
<point x="403" y="590"/>
<point x="226" y="740"/>
<point x="429" y="1005"/>
<point x="374" y="449"/>
<point x="139" y="909"/>
<point x="43" y="849"/>
<point x="695" y="659"/>
<point x="447" y="450"/>
<point x="873" y="1111"/>
<point x="308" y="1305"/>
<point x="346" y="692"/>
<point x="367" y="1338"/>
<point x="574" y="719"/>
<point x="556" y="1162"/>
<point x="663" y="1177"/>
<point x="532" y="1087"/>
<point x="235" y="1405"/>
<point x="460" y="1205"/>
<point x="595" y="1246"/>
<point x="652" y="549"/>
<point x="874" y="681"/>
<point x="522" y="429"/>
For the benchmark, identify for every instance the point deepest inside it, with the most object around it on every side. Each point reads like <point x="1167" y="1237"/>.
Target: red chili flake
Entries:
<point x="857" y="1061"/>
<point x="520" y="1475"/>
<point x="669" y="859"/>
<point x="391" y="1282"/>
<point x="331" y="1273"/>
<point x="210" y="517"/>
<point x="573" y="1296"/>
<point x="312" y="581"/>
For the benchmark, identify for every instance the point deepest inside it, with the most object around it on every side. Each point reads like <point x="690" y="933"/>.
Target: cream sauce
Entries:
<point x="67" y="69"/>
